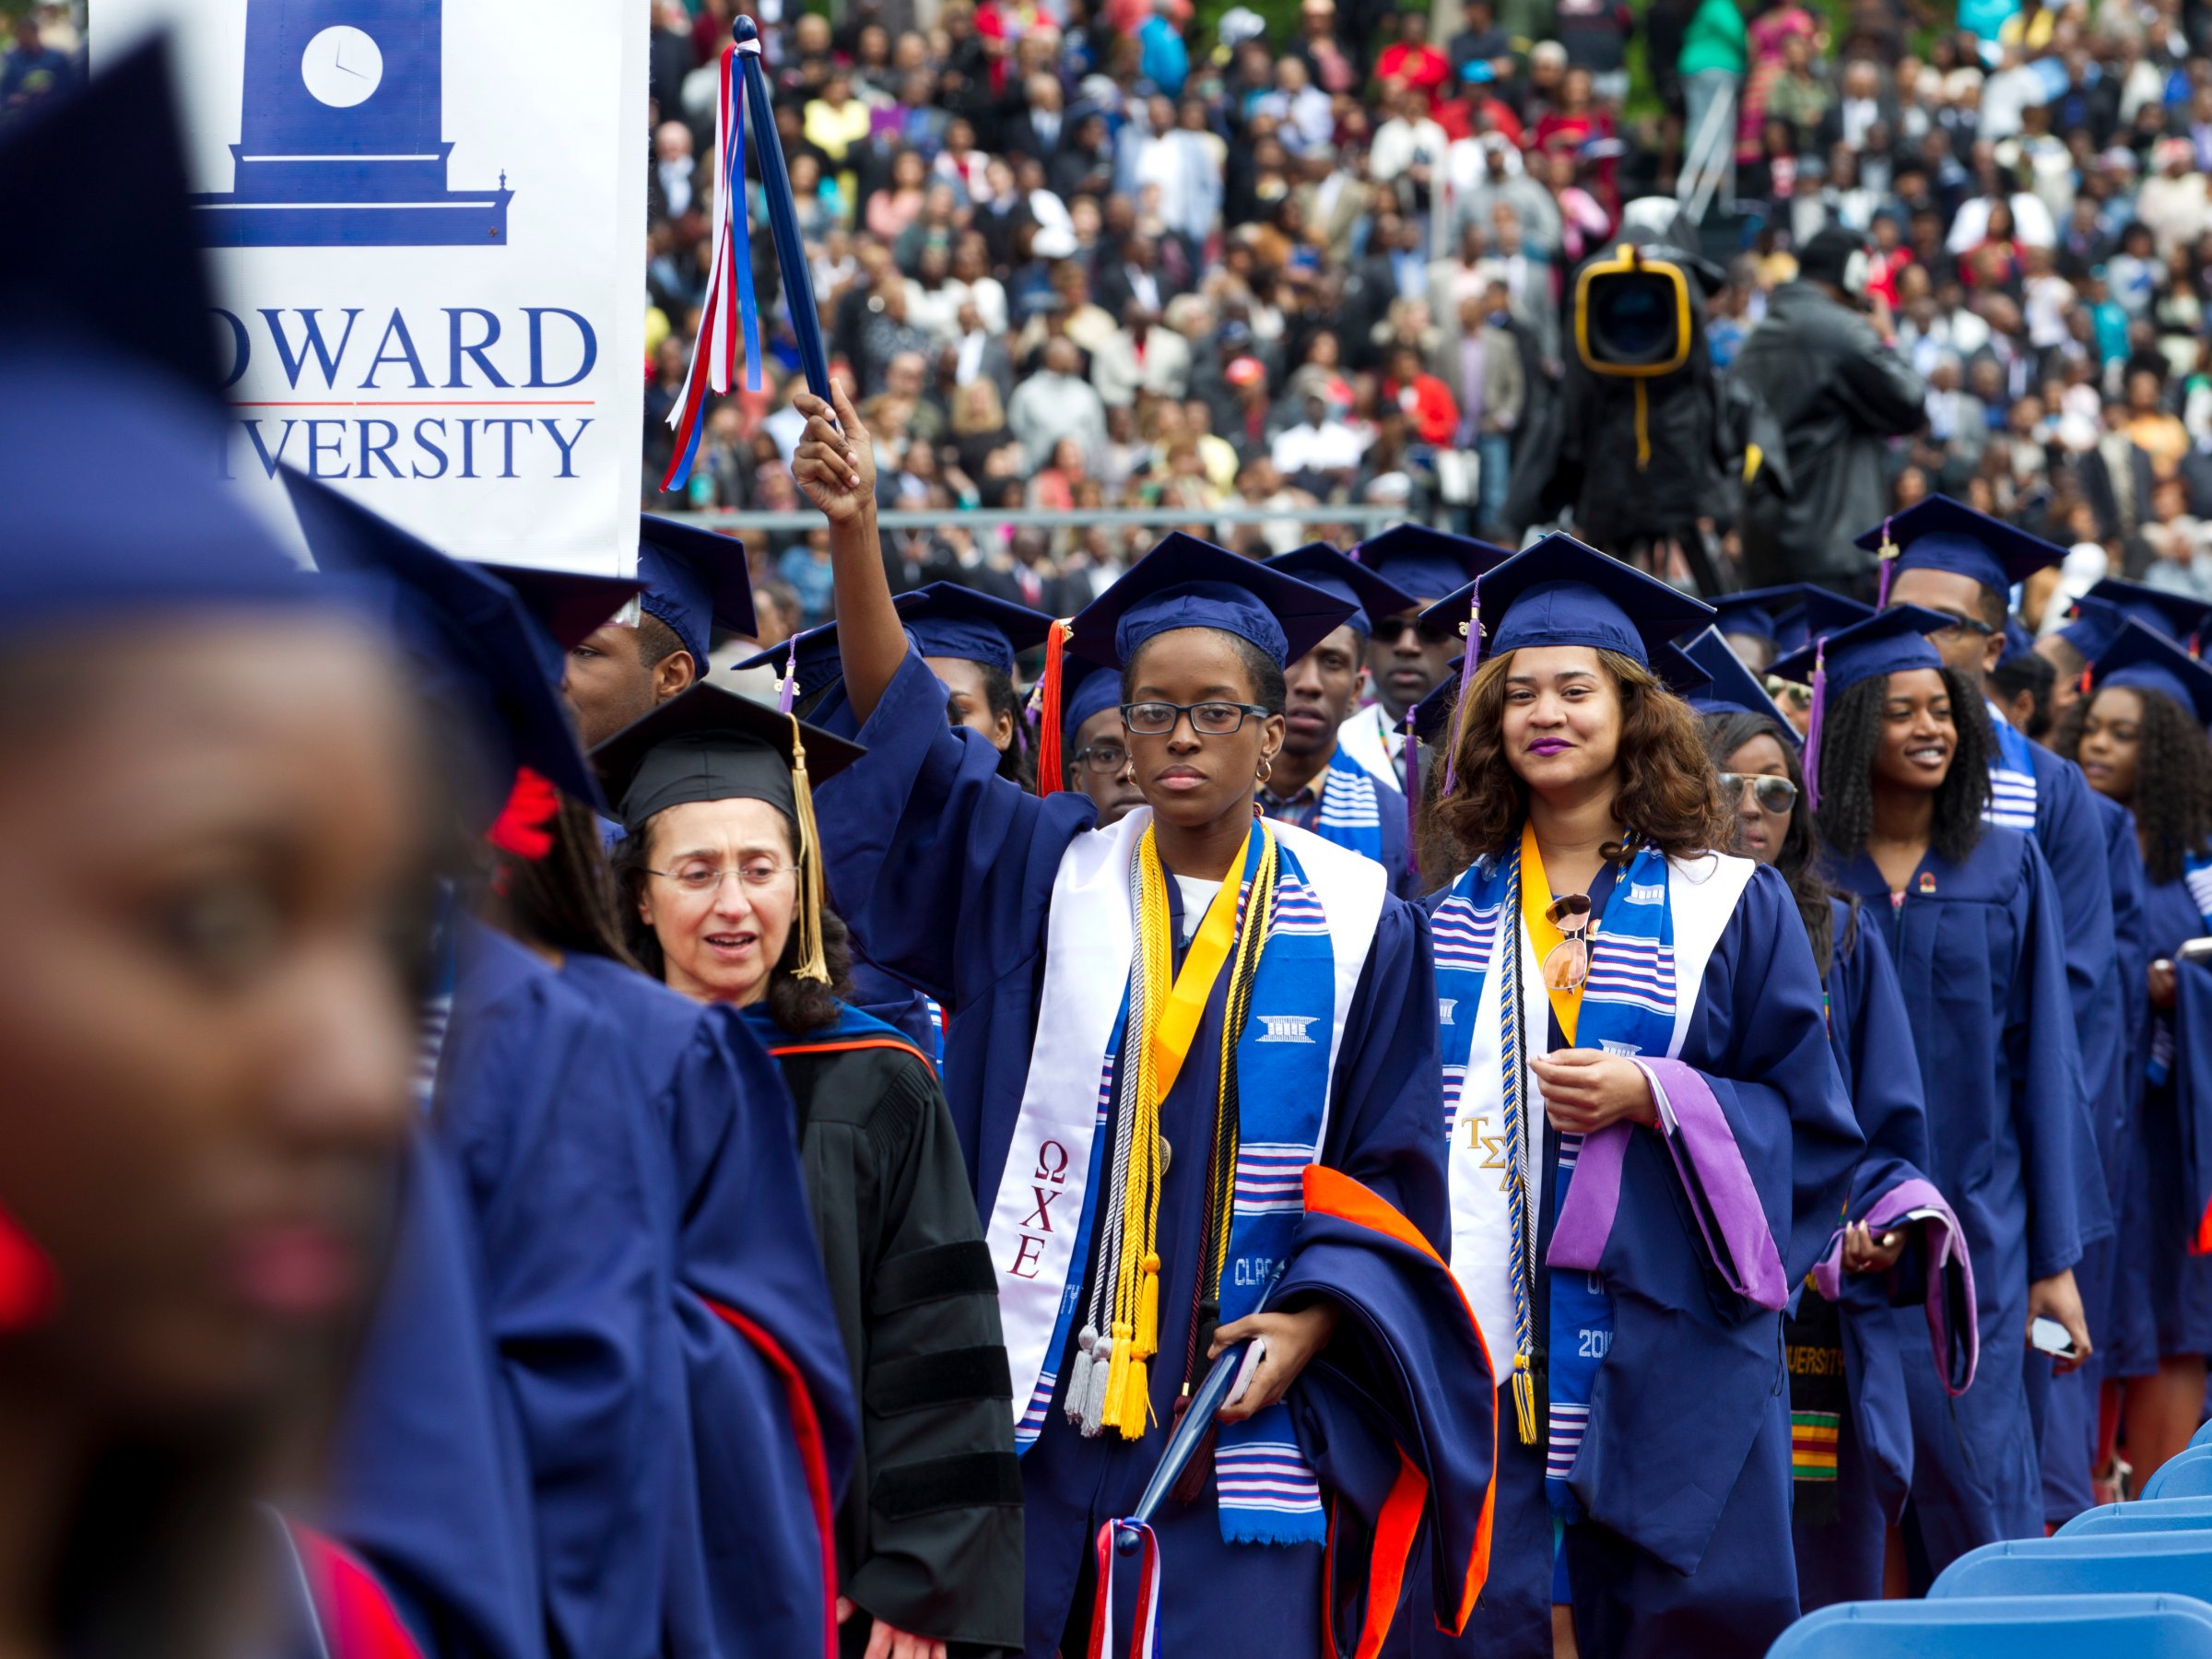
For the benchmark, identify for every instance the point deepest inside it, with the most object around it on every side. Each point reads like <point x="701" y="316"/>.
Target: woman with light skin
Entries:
<point x="1969" y="911"/>
<point x="1845" y="1345"/>
<point x="2139" y="738"/>
<point x="1295" y="1106"/>
<point x="719" y="883"/>
<point x="1688" y="1040"/>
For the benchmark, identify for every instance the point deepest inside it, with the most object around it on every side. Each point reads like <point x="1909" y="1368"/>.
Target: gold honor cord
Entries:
<point x="813" y="965"/>
<point x="1170" y="1014"/>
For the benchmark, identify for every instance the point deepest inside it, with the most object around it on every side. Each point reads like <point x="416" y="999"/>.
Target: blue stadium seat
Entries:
<point x="2188" y="1475"/>
<point x="2059" y="1627"/>
<point x="2151" y="1514"/>
<point x="2178" y="1563"/>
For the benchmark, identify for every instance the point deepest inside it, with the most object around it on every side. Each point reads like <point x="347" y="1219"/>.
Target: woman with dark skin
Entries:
<point x="2139" y="741"/>
<point x="1967" y="909"/>
<point x="1030" y="928"/>
<point x="211" y="888"/>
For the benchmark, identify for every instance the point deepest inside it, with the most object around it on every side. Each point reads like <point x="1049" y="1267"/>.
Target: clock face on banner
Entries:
<point x="342" y="66"/>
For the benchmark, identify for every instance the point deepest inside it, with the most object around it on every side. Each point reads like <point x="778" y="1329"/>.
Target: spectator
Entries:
<point x="1712" y="63"/>
<point x="1840" y="395"/>
<point x="1140" y="357"/>
<point x="1056" y="402"/>
<point x="1484" y="361"/>
<point x="1319" y="452"/>
<point x="1413" y="61"/>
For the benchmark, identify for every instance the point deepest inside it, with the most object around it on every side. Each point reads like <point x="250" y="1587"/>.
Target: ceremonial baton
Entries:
<point x="782" y="213"/>
<point x="1197" y="1418"/>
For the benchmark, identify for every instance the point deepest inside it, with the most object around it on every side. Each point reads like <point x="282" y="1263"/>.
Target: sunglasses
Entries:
<point x="1567" y="964"/>
<point x="1774" y="796"/>
<point x="1789" y="694"/>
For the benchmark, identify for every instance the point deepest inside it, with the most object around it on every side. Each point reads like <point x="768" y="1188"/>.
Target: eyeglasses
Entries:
<point x="1214" y="719"/>
<point x="1105" y="758"/>
<point x="1957" y="624"/>
<point x="703" y="879"/>
<point x="1775" y="796"/>
<point x="1789" y="694"/>
<point x="1567" y="964"/>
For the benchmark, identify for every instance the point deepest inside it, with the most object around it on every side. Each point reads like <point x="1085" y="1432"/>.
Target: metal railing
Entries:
<point x="1707" y="162"/>
<point x="1367" y="516"/>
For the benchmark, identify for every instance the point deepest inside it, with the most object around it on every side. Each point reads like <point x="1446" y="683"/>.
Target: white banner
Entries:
<point x="427" y="223"/>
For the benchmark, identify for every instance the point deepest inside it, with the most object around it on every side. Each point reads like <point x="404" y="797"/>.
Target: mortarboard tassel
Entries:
<point x="1093" y="1422"/>
<point x="2199" y="1245"/>
<point x="1812" y="726"/>
<point x="29" y="1287"/>
<point x="1413" y="787"/>
<point x="1885" y="563"/>
<point x="1467" y="663"/>
<point x="813" y="965"/>
<point x="730" y="298"/>
<point x="788" y="692"/>
<point x="525" y="827"/>
<point x="1051" y="769"/>
<point x="1079" y="1376"/>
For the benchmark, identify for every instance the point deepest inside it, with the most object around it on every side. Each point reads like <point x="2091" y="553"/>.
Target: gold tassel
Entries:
<point x="1136" y="1402"/>
<point x="1524" y="1399"/>
<point x="812" y="963"/>
<point x="1147" y="1309"/>
<point x="1117" y="1374"/>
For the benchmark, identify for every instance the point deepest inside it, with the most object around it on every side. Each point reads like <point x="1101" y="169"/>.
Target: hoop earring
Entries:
<point x="1267" y="769"/>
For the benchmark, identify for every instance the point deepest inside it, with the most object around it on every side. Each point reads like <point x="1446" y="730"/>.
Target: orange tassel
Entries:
<point x="524" y="825"/>
<point x="1051" y="770"/>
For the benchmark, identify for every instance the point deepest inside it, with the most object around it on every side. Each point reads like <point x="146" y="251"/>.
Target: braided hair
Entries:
<point x="1852" y="730"/>
<point x="566" y="899"/>
<point x="2173" y="801"/>
<point x="1797" y="859"/>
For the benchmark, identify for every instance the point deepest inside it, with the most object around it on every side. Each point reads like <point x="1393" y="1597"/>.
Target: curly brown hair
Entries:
<point x="1667" y="797"/>
<point x="799" y="1005"/>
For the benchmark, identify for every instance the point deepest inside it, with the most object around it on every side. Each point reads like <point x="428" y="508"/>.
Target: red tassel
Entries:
<point x="1050" y="767"/>
<point x="29" y="1287"/>
<point x="524" y="825"/>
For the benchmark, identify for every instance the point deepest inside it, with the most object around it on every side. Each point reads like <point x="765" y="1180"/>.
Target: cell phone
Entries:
<point x="2194" y="950"/>
<point x="1255" y="1351"/>
<point x="2048" y="1336"/>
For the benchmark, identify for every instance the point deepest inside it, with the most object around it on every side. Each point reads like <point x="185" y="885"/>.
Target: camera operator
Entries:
<point x="1820" y="361"/>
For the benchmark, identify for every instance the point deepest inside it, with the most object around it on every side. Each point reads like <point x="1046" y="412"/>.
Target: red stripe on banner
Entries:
<point x="807" y="1427"/>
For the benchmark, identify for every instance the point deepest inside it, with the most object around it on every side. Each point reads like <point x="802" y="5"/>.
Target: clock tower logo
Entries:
<point x="342" y="137"/>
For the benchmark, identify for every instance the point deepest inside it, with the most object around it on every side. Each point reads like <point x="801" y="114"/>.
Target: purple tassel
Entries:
<point x="1812" y="726"/>
<point x="1467" y="664"/>
<point x="1884" y="562"/>
<point x="787" y="693"/>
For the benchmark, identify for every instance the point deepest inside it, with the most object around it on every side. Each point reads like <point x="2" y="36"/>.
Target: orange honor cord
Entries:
<point x="1051" y="768"/>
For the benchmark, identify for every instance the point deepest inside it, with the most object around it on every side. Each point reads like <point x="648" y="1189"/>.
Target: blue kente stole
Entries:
<point x="2011" y="778"/>
<point x="1351" y="814"/>
<point x="1267" y="1492"/>
<point x="1627" y="1008"/>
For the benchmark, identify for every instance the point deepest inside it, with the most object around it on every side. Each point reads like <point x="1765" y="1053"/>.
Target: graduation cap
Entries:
<point x="2018" y="643"/>
<point x="1680" y="672"/>
<point x="946" y="619"/>
<point x="104" y="350"/>
<point x="1086" y="689"/>
<point x="1560" y="592"/>
<point x="1889" y="642"/>
<point x="475" y="647"/>
<point x="2095" y="626"/>
<point x="1434" y="712"/>
<point x="1731" y="687"/>
<point x="1186" y="583"/>
<point x="1373" y="598"/>
<point x="566" y="605"/>
<point x="1753" y="611"/>
<point x="808" y="663"/>
<point x="711" y="745"/>
<point x="1939" y="534"/>
<point x="1425" y="562"/>
<point x="2177" y="616"/>
<point x="694" y="579"/>
<point x="2143" y="660"/>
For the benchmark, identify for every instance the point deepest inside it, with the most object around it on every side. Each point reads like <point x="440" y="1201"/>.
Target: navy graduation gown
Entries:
<point x="2173" y="1287"/>
<point x="564" y="1187"/>
<point x="948" y="871"/>
<point x="1872" y="1039"/>
<point x="763" y="1422"/>
<point x="1982" y="965"/>
<point x="2070" y="1417"/>
<point x="428" y="1479"/>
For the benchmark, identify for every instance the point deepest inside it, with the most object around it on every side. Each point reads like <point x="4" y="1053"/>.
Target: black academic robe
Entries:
<point x="929" y="1537"/>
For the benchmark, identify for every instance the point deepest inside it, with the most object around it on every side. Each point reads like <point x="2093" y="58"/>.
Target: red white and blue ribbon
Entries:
<point x="730" y="298"/>
<point x="1144" y="1639"/>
